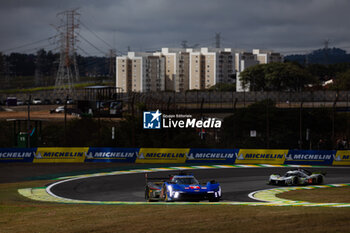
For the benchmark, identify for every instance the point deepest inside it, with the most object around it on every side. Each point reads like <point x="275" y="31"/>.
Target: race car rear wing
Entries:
<point x="181" y="173"/>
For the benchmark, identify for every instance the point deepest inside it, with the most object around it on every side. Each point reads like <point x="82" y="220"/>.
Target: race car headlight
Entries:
<point x="219" y="192"/>
<point x="170" y="190"/>
<point x="176" y="195"/>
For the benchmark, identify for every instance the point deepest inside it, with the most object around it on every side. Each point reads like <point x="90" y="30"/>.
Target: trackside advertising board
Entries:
<point x="342" y="157"/>
<point x="174" y="155"/>
<point x="162" y="155"/>
<point x="253" y="156"/>
<point x="111" y="154"/>
<point x="17" y="155"/>
<point x="197" y="155"/>
<point x="310" y="157"/>
<point x="60" y="154"/>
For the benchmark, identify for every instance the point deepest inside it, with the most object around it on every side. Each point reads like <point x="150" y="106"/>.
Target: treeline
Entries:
<point x="323" y="56"/>
<point x="46" y="63"/>
<point x="291" y="76"/>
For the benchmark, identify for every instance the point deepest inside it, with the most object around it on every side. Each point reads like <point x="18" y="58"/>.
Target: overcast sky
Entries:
<point x="280" y="25"/>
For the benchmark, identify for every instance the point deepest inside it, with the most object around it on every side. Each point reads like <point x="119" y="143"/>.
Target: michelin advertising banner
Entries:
<point x="162" y="155"/>
<point x="310" y="157"/>
<point x="254" y="156"/>
<point x="342" y="157"/>
<point x="60" y="154"/>
<point x="174" y="155"/>
<point x="212" y="155"/>
<point x="111" y="154"/>
<point x="8" y="155"/>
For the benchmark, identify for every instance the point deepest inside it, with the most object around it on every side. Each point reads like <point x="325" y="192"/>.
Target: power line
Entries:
<point x="46" y="46"/>
<point x="105" y="42"/>
<point x="28" y="44"/>
<point x="91" y="44"/>
<point x="82" y="50"/>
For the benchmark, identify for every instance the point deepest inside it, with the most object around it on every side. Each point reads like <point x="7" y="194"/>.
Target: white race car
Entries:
<point x="297" y="177"/>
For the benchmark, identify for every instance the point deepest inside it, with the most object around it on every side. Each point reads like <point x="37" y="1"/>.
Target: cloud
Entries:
<point x="143" y="24"/>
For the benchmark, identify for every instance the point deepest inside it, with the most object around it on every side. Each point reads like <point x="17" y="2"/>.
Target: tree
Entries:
<point x="276" y="77"/>
<point x="223" y="87"/>
<point x="255" y="77"/>
<point x="342" y="81"/>
<point x="1" y="65"/>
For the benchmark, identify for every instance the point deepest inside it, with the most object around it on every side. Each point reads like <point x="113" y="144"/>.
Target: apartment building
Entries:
<point x="209" y="67"/>
<point x="243" y="60"/>
<point x="140" y="72"/>
<point x="225" y="67"/>
<point x="155" y="74"/>
<point x="182" y="78"/>
<point x="264" y="57"/>
<point x="246" y="59"/>
<point x="174" y="69"/>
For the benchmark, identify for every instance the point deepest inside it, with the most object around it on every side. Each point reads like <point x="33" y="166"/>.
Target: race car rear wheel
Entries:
<point x="319" y="180"/>
<point x="147" y="193"/>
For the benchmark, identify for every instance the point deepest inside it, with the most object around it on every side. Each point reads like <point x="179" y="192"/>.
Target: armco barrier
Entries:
<point x="173" y="155"/>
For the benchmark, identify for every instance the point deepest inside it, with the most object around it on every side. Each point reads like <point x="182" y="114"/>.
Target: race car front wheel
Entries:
<point x="166" y="198"/>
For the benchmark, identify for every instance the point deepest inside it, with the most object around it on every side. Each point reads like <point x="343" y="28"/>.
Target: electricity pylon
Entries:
<point x="67" y="72"/>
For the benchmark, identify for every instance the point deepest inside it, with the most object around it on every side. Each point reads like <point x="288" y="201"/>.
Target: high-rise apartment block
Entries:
<point x="186" y="69"/>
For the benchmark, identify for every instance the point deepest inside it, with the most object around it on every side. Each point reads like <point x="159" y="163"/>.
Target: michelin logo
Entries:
<point x="17" y="155"/>
<point x="109" y="155"/>
<point x="339" y="158"/>
<point x="54" y="155"/>
<point x="212" y="156"/>
<point x="290" y="157"/>
<point x="151" y="120"/>
<point x="239" y="157"/>
<point x="259" y="156"/>
<point x="161" y="155"/>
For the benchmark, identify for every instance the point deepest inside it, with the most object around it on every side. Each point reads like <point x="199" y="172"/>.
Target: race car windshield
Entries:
<point x="288" y="174"/>
<point x="189" y="180"/>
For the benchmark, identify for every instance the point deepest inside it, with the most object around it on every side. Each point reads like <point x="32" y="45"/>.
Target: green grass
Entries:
<point x="19" y="214"/>
<point x="35" y="89"/>
<point x="323" y="195"/>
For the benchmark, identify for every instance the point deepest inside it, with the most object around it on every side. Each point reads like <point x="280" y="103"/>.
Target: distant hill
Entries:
<point x="321" y="56"/>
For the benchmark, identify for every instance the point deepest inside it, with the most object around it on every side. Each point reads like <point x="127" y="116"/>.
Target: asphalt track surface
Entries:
<point x="236" y="183"/>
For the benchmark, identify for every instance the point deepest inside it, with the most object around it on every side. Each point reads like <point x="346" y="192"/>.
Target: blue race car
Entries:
<point x="182" y="187"/>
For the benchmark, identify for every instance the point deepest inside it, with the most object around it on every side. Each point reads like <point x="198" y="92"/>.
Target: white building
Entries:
<point x="175" y="69"/>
